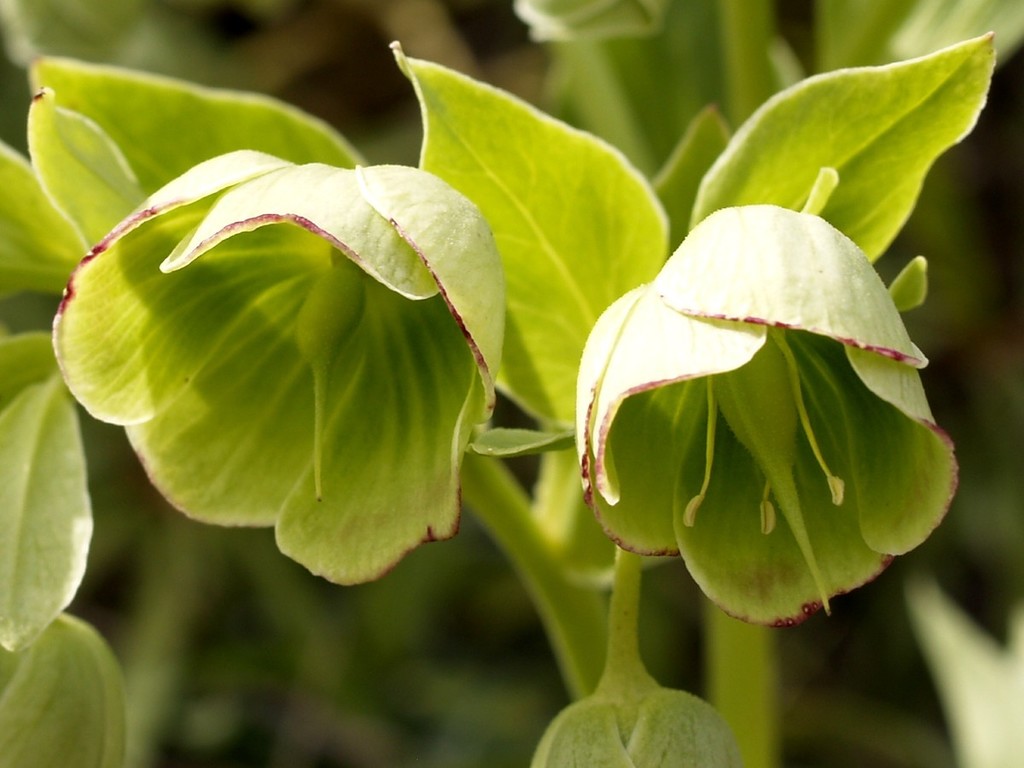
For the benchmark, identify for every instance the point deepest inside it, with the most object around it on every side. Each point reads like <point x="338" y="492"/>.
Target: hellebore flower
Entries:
<point x="301" y="346"/>
<point x="757" y="410"/>
<point x="590" y="19"/>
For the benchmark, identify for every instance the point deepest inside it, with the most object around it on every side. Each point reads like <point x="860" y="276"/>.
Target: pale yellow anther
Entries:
<point x="835" y="483"/>
<point x="767" y="511"/>
<point x="690" y="513"/>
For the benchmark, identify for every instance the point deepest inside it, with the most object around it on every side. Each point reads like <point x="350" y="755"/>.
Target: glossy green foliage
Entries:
<point x="879" y="128"/>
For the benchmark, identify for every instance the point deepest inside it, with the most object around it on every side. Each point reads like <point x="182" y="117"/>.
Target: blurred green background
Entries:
<point x="235" y="656"/>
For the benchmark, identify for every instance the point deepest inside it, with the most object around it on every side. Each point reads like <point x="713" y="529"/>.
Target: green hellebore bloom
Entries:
<point x="757" y="409"/>
<point x="590" y="19"/>
<point x="301" y="346"/>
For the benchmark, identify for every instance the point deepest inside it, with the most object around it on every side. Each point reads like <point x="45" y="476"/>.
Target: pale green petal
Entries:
<point x="771" y="265"/>
<point x="206" y="178"/>
<point x="325" y="200"/>
<point x="450" y="237"/>
<point x="639" y="343"/>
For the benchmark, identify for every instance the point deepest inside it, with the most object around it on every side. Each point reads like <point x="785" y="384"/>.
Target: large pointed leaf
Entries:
<point x="44" y="506"/>
<point x="575" y="224"/>
<point x="38" y="248"/>
<point x="62" y="701"/>
<point x="165" y="126"/>
<point x="881" y="128"/>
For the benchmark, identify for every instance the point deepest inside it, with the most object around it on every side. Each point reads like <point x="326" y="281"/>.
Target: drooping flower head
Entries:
<point x="757" y="409"/>
<point x="301" y="346"/>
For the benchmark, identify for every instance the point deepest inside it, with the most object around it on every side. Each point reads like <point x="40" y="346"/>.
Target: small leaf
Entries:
<point x="82" y="170"/>
<point x="909" y="289"/>
<point x="880" y="128"/>
<point x="44" y="504"/>
<point x="38" y="247"/>
<point x="62" y="701"/>
<point x="506" y="443"/>
<point x="575" y="224"/>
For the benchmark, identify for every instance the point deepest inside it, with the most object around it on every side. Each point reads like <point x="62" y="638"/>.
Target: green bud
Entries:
<point x="657" y="728"/>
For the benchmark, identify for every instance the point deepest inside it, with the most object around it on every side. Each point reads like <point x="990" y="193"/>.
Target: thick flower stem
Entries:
<point x="741" y="684"/>
<point x="624" y="670"/>
<point x="574" y="617"/>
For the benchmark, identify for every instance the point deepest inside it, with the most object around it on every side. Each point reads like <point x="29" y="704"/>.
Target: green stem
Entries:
<point x="746" y="32"/>
<point x="573" y="616"/>
<point x="624" y="670"/>
<point x="742" y="680"/>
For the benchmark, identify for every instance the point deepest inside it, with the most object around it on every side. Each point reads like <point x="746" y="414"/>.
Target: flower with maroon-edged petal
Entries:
<point x="302" y="346"/>
<point x="757" y="409"/>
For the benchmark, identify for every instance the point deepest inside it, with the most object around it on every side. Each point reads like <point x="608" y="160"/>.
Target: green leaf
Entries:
<point x="311" y="350"/>
<point x="575" y="224"/>
<point x="981" y="684"/>
<point x="852" y="33"/>
<point x="44" y="504"/>
<point x="38" y="248"/>
<point x="506" y="443"/>
<point x="589" y="19"/>
<point x="43" y="500"/>
<point x="678" y="181"/>
<point x="81" y="169"/>
<point x="909" y="288"/>
<point x="879" y="128"/>
<point x="62" y="701"/>
<point x="165" y="126"/>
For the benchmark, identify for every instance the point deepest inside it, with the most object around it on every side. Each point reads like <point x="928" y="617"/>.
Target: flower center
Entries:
<point x="763" y="404"/>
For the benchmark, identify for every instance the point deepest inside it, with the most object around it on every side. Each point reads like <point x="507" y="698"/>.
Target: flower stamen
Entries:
<point x="767" y="511"/>
<point x="835" y="483"/>
<point x="690" y="513"/>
